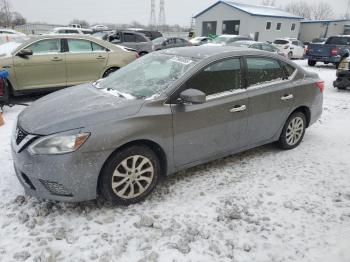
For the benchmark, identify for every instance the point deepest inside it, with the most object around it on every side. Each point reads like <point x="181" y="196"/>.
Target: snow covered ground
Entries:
<point x="261" y="205"/>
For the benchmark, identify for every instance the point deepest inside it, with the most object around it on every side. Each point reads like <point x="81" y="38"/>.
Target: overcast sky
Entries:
<point x="125" y="11"/>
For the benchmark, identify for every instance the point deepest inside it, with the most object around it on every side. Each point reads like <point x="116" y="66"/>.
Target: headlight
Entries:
<point x="58" y="144"/>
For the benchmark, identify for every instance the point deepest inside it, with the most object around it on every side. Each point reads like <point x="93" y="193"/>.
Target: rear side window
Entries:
<point x="46" y="46"/>
<point x="338" y="41"/>
<point x="140" y="39"/>
<point x="220" y="77"/>
<point x="289" y="70"/>
<point x="263" y="70"/>
<point x="77" y="45"/>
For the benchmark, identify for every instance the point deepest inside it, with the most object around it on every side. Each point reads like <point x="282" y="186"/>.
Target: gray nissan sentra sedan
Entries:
<point x="163" y="113"/>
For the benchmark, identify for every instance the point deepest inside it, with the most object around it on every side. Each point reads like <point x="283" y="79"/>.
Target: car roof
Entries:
<point x="202" y="52"/>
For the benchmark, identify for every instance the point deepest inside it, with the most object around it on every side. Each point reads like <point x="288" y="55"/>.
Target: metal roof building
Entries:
<point x="323" y="29"/>
<point x="262" y="23"/>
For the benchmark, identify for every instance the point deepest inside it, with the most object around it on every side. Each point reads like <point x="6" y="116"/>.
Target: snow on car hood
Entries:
<point x="75" y="107"/>
<point x="7" y="48"/>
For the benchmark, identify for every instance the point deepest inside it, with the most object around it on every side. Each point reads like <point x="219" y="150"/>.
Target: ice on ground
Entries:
<point x="261" y="205"/>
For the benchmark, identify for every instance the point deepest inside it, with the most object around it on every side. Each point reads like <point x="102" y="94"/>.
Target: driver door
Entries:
<point x="45" y="68"/>
<point x="216" y="127"/>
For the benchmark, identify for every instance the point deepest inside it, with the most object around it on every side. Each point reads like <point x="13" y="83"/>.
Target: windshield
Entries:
<point x="148" y="76"/>
<point x="158" y="40"/>
<point x="221" y="39"/>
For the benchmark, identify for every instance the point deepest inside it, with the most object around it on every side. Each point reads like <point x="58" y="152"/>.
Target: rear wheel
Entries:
<point x="311" y="62"/>
<point x="293" y="131"/>
<point x="110" y="71"/>
<point x="130" y="175"/>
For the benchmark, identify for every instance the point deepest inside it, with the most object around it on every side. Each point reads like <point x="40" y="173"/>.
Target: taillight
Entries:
<point x="2" y="87"/>
<point x="320" y="85"/>
<point x="334" y="51"/>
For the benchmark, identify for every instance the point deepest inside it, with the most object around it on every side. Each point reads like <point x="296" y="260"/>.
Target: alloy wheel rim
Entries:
<point x="295" y="131"/>
<point x="132" y="177"/>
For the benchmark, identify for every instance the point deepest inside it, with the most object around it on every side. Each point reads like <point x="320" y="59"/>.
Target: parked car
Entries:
<point x="343" y="72"/>
<point x="6" y="31"/>
<point x="66" y="30"/>
<point x="290" y="47"/>
<point x="319" y="40"/>
<point x="201" y="40"/>
<point x="329" y="52"/>
<point x="163" y="113"/>
<point x="75" y="25"/>
<point x="258" y="45"/>
<point x="86" y="31"/>
<point x="131" y="39"/>
<point x="42" y="63"/>
<point x="169" y="42"/>
<point x="103" y="35"/>
<point x="150" y="34"/>
<point x="99" y="28"/>
<point x="223" y="40"/>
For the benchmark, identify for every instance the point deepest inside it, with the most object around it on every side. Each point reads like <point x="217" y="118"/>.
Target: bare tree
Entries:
<point x="17" y="19"/>
<point x="5" y="13"/>
<point x="299" y="8"/>
<point x="268" y="2"/>
<point x="321" y="11"/>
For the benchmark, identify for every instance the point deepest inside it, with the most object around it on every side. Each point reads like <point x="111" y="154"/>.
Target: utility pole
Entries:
<point x="162" y="20"/>
<point x="152" y="21"/>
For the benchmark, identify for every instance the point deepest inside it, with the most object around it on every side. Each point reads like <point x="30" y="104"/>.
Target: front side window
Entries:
<point x="295" y="43"/>
<point x="279" y="26"/>
<point x="268" y="25"/>
<point x="221" y="77"/>
<point x="46" y="46"/>
<point x="79" y="46"/>
<point x="129" y="38"/>
<point x="140" y="39"/>
<point x="263" y="70"/>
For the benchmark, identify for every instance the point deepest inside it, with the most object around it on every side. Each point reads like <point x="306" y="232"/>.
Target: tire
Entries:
<point x="290" y="139"/>
<point x="311" y="62"/>
<point x="109" y="71"/>
<point x="290" y="55"/>
<point x="120" y="171"/>
<point x="336" y="65"/>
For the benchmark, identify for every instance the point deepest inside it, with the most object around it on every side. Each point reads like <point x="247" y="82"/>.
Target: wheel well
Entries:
<point x="10" y="88"/>
<point x="113" y="67"/>
<point x="157" y="149"/>
<point x="306" y="111"/>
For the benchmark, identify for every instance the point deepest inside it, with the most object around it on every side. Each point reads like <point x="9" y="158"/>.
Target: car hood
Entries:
<point x="213" y="44"/>
<point x="75" y="107"/>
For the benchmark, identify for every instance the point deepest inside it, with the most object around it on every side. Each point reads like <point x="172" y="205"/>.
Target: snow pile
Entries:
<point x="261" y="205"/>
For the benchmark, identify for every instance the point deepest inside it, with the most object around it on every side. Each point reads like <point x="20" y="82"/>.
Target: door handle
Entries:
<point x="56" y="59"/>
<point x="287" y="97"/>
<point x="238" y="109"/>
<point x="101" y="57"/>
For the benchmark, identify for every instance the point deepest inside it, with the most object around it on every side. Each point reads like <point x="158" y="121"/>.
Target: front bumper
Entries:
<point x="69" y="177"/>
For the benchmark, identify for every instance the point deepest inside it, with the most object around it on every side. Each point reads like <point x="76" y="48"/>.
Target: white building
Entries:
<point x="310" y="30"/>
<point x="262" y="23"/>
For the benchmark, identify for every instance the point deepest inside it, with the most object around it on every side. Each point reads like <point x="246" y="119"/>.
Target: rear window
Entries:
<point x="280" y="42"/>
<point x="263" y="70"/>
<point x="338" y="41"/>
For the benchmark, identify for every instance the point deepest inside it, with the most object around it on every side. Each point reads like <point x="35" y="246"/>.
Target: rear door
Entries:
<point x="85" y="61"/>
<point x="218" y="126"/>
<point x="271" y="98"/>
<point x="129" y="40"/>
<point x="45" y="68"/>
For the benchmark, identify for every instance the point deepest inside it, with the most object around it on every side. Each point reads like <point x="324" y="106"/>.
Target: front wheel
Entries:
<point x="110" y="71"/>
<point x="293" y="131"/>
<point x="130" y="175"/>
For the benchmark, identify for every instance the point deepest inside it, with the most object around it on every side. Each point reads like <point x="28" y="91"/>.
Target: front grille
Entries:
<point x="20" y="135"/>
<point x="55" y="188"/>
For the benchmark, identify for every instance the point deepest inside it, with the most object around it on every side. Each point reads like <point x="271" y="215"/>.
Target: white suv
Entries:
<point x="290" y="47"/>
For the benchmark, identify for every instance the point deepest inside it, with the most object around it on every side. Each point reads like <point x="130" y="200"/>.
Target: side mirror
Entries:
<point x="25" y="52"/>
<point x="193" y="96"/>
